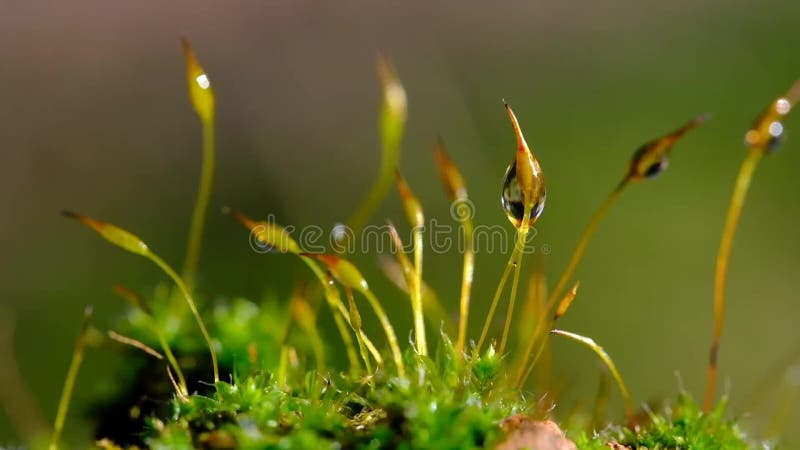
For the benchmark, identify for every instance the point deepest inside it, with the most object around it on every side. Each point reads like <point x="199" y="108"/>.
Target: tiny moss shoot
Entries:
<point x="201" y="95"/>
<point x="765" y="136"/>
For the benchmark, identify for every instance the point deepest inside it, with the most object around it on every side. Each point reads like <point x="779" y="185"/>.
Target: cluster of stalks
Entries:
<point x="522" y="198"/>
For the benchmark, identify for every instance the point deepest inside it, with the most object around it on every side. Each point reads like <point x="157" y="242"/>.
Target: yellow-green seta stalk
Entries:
<point x="765" y="135"/>
<point x="522" y="198"/>
<point x="201" y="95"/>
<point x="463" y="211"/>
<point x="648" y="161"/>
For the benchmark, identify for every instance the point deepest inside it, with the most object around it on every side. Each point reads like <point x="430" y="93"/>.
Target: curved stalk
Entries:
<point x="192" y="306"/>
<point x="746" y="171"/>
<point x="388" y="329"/>
<point x="588" y="342"/>
<point x="336" y="304"/>
<point x="136" y="301"/>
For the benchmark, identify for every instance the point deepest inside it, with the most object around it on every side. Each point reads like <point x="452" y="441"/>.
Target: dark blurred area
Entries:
<point x="94" y="117"/>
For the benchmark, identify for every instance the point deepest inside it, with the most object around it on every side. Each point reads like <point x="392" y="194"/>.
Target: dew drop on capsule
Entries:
<point x="511" y="198"/>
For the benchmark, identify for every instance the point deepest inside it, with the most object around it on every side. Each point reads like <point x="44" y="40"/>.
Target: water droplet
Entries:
<point x="203" y="81"/>
<point x="511" y="197"/>
<point x="648" y="161"/>
<point x="783" y="106"/>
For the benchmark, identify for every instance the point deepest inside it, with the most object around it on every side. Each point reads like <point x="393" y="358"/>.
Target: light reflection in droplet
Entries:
<point x="775" y="129"/>
<point x="782" y="106"/>
<point x="203" y="81"/>
<point x="339" y="232"/>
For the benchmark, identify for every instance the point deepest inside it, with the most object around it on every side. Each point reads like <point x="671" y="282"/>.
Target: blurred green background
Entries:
<point x="94" y="117"/>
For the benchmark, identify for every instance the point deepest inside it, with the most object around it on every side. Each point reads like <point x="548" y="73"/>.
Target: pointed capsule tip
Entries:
<point x="70" y="214"/>
<point x="402" y="184"/>
<point x="522" y="146"/>
<point x="85" y="220"/>
<point x="703" y="118"/>
<point x="239" y="217"/>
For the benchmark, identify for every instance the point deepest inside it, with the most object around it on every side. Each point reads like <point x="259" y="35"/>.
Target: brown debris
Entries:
<point x="523" y="432"/>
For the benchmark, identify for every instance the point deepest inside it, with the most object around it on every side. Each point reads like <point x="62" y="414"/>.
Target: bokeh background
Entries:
<point x="94" y="117"/>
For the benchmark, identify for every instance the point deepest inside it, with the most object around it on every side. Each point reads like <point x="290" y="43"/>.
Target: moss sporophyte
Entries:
<point x="273" y="379"/>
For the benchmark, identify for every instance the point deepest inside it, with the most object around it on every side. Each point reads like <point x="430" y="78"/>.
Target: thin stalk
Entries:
<point x="192" y="306"/>
<point x="577" y="255"/>
<point x="522" y="234"/>
<point x="538" y="336"/>
<point x="467" y="274"/>
<point x="183" y="397"/>
<point x="493" y="306"/>
<point x="69" y="382"/>
<point x="135" y="343"/>
<point x="283" y="362"/>
<point x="416" y="298"/>
<point x="746" y="171"/>
<point x="462" y="210"/>
<point x="352" y="357"/>
<point x="336" y="303"/>
<point x="162" y="340"/>
<point x="388" y="329"/>
<point x="200" y="205"/>
<point x="283" y="358"/>
<point x="525" y="369"/>
<point x="626" y="396"/>
<point x="136" y="301"/>
<point x="586" y="236"/>
<point x="532" y="311"/>
<point x="511" y="264"/>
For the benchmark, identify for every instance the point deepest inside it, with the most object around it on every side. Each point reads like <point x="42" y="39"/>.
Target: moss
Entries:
<point x="442" y="405"/>
<point x="272" y="394"/>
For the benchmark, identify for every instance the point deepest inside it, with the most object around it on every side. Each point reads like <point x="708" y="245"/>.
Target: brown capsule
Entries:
<point x="767" y="132"/>
<point x="652" y="158"/>
<point x="523" y="184"/>
<point x="411" y="205"/>
<point x="449" y="173"/>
